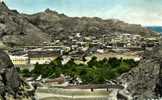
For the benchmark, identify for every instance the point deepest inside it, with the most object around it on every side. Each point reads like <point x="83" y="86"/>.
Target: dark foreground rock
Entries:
<point x="10" y="82"/>
<point x="144" y="81"/>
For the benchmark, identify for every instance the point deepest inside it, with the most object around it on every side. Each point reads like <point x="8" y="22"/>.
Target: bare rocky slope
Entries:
<point x="60" y="25"/>
<point x="9" y="80"/>
<point x="12" y="87"/>
<point x="35" y="29"/>
<point x="144" y="81"/>
<point x="17" y="30"/>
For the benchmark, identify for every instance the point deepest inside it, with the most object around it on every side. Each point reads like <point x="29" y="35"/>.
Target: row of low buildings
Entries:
<point x="33" y="57"/>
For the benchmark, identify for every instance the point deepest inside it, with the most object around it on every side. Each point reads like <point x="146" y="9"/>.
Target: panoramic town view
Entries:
<point x="80" y="50"/>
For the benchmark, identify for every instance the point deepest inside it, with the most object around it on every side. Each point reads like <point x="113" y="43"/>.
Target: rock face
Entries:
<point x="15" y="29"/>
<point x="144" y="81"/>
<point x="158" y="88"/>
<point x="10" y="82"/>
<point x="9" y="79"/>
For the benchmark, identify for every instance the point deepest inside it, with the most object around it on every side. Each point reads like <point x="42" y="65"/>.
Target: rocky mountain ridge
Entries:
<point x="35" y="29"/>
<point x="16" y="29"/>
<point x="59" y="24"/>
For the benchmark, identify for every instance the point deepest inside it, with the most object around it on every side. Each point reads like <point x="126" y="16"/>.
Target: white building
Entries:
<point x="42" y="57"/>
<point x="19" y="60"/>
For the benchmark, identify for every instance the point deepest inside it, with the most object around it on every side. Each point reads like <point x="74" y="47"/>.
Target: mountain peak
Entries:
<point x="50" y="11"/>
<point x="3" y="6"/>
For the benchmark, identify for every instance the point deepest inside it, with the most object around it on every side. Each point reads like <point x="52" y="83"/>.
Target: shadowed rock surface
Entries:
<point x="144" y="81"/>
<point x="9" y="79"/>
<point x="10" y="82"/>
<point x="17" y="30"/>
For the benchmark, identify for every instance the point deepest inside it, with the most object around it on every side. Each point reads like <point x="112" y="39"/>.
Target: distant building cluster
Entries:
<point x="79" y="47"/>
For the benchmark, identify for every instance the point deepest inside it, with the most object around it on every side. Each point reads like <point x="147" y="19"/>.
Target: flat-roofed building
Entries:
<point x="19" y="60"/>
<point x="42" y="57"/>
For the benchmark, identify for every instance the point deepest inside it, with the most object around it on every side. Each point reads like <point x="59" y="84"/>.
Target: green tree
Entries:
<point x="94" y="72"/>
<point x="92" y="62"/>
<point x="57" y="62"/>
<point x="25" y="73"/>
<point x="114" y="62"/>
<point x="124" y="67"/>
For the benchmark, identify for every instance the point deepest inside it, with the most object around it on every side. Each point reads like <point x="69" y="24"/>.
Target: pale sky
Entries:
<point x="144" y="12"/>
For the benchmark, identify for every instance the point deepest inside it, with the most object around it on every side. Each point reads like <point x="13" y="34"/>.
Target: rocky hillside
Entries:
<point x="144" y="81"/>
<point x="16" y="29"/>
<point x="22" y="29"/>
<point x="9" y="80"/>
<point x="57" y="24"/>
<point x="11" y="86"/>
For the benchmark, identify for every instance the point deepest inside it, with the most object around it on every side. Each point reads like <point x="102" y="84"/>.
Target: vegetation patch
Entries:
<point x="94" y="72"/>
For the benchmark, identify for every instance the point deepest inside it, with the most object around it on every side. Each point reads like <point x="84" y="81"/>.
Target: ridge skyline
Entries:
<point x="144" y="12"/>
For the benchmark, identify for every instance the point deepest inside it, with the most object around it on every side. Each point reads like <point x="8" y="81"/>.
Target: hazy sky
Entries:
<point x="145" y="12"/>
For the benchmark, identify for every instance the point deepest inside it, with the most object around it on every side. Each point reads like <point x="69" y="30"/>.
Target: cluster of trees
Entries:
<point x="95" y="72"/>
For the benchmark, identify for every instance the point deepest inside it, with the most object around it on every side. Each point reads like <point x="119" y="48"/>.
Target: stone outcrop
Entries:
<point x="144" y="81"/>
<point x="10" y="83"/>
<point x="9" y="79"/>
<point x="15" y="29"/>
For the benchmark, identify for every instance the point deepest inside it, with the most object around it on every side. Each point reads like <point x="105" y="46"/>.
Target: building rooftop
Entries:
<point x="35" y="54"/>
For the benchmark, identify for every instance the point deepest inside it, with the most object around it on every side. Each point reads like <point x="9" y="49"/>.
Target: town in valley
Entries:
<point x="81" y="50"/>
